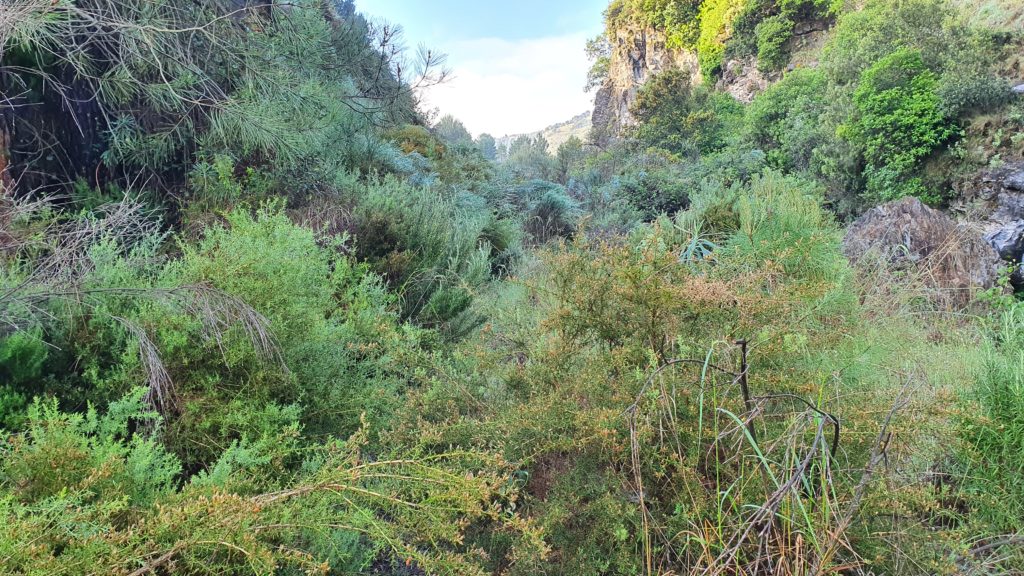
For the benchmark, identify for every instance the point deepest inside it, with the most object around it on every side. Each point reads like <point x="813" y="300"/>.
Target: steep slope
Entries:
<point x="1004" y="15"/>
<point x="556" y="134"/>
<point x="638" y="52"/>
<point x="717" y="41"/>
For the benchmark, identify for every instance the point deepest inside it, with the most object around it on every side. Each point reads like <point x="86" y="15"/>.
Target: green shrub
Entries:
<point x="786" y="120"/>
<point x="655" y="188"/>
<point x="684" y="119"/>
<point x="713" y="211"/>
<point x="529" y="158"/>
<point x="22" y="355"/>
<point x="575" y="379"/>
<point x="331" y="332"/>
<point x="551" y="216"/>
<point x="900" y="122"/>
<point x="716" y="17"/>
<point x="548" y="211"/>
<point x="963" y="93"/>
<point x="743" y="42"/>
<point x="90" y="493"/>
<point x="679" y="19"/>
<point x="63" y="453"/>
<point x="781" y="221"/>
<point x="772" y="35"/>
<point x="214" y="186"/>
<point x="863" y="37"/>
<point x="421" y="241"/>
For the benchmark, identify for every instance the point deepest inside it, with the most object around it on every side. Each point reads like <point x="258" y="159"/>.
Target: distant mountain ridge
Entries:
<point x="556" y="134"/>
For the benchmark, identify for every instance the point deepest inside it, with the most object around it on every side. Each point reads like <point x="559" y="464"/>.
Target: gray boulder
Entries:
<point x="1014" y="181"/>
<point x="1003" y="211"/>
<point x="1007" y="239"/>
<point x="1019" y="89"/>
<point x="953" y="260"/>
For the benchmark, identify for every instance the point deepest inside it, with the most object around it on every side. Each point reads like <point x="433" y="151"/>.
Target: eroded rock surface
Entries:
<point x="998" y="197"/>
<point x="638" y="54"/>
<point x="952" y="259"/>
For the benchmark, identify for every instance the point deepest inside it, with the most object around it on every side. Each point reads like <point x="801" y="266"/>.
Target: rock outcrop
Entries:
<point x="742" y="80"/>
<point x="952" y="260"/>
<point x="638" y="54"/>
<point x="996" y="198"/>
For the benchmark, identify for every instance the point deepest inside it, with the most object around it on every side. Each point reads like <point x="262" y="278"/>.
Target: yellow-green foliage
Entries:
<point x="599" y="373"/>
<point x="701" y="25"/>
<point x="78" y="497"/>
<point x="716" y="17"/>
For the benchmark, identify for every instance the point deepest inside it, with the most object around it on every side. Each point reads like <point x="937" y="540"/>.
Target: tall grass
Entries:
<point x="995" y="435"/>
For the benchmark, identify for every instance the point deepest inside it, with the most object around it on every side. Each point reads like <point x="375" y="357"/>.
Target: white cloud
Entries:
<point x="514" y="86"/>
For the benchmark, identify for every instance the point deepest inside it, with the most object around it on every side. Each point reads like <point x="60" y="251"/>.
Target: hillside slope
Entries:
<point x="556" y="134"/>
<point x="740" y="46"/>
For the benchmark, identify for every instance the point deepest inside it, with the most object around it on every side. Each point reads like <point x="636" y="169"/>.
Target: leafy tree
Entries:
<point x="488" y="146"/>
<point x="570" y="155"/>
<point x="899" y="123"/>
<point x="452" y="131"/>
<point x="682" y="118"/>
<point x="599" y="52"/>
<point x="529" y="158"/>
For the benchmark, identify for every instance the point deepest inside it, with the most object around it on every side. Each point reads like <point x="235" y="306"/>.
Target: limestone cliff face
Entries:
<point x="638" y="53"/>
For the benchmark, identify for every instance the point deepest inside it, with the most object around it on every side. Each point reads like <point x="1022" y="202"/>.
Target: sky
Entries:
<point x="518" y="65"/>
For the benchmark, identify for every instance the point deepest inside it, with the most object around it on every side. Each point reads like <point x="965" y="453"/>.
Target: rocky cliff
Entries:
<point x="994" y="199"/>
<point x="640" y="52"/>
<point x="637" y="54"/>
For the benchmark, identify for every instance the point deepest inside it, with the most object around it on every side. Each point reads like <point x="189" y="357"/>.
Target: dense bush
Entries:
<point x="347" y="343"/>
<point x="82" y="491"/>
<point x="547" y="211"/>
<point x="785" y="120"/>
<point x="772" y="34"/>
<point x="714" y="29"/>
<point x="716" y="18"/>
<point x="684" y="119"/>
<point x="655" y="187"/>
<point x="432" y="248"/>
<point x="863" y="37"/>
<point x="899" y="123"/>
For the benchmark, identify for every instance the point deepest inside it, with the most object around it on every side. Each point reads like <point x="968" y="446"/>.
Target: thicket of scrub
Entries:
<point x="259" y="314"/>
<point x="905" y="98"/>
